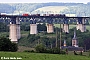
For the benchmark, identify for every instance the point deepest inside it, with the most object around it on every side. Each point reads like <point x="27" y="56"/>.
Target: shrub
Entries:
<point x="40" y="48"/>
<point x="49" y="51"/>
<point x="32" y="51"/>
<point x="14" y="47"/>
<point x="89" y="52"/>
<point x="56" y="51"/>
<point x="62" y="52"/>
<point x="7" y="45"/>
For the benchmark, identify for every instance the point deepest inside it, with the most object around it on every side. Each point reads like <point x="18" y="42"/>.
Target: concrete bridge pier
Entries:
<point x="33" y="26"/>
<point x="13" y="31"/>
<point x="66" y="28"/>
<point x="81" y="25"/>
<point x="18" y="28"/>
<point x="84" y="26"/>
<point x="50" y="28"/>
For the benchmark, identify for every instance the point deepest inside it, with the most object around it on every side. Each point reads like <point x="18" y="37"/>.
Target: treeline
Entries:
<point x="49" y="40"/>
<point x="4" y="27"/>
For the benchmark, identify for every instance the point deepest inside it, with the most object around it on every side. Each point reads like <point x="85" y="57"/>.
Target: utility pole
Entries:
<point x="60" y="36"/>
<point x="56" y="37"/>
<point x="51" y="45"/>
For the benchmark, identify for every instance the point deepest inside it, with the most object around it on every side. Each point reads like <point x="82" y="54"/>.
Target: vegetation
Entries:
<point x="49" y="39"/>
<point x="40" y="48"/>
<point x="45" y="38"/>
<point x="44" y="42"/>
<point x="7" y="45"/>
<point x="89" y="53"/>
<point x="50" y="9"/>
<point x="79" y="9"/>
<point x="39" y="56"/>
<point x="3" y="27"/>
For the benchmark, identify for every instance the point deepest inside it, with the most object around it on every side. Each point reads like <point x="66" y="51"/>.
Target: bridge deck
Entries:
<point x="14" y="16"/>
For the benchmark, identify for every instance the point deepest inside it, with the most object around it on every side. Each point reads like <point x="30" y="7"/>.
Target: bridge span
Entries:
<point x="14" y="23"/>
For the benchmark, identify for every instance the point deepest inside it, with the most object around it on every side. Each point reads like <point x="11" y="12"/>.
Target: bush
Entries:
<point x="32" y="51"/>
<point x="49" y="51"/>
<point x="89" y="52"/>
<point x="14" y="47"/>
<point x="62" y="52"/>
<point x="40" y="48"/>
<point x="56" y="51"/>
<point x="7" y="45"/>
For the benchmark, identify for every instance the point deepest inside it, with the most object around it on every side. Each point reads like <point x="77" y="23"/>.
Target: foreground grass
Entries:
<point x="42" y="56"/>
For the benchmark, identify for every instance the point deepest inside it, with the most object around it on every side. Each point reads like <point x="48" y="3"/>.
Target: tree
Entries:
<point x="41" y="27"/>
<point x="14" y="47"/>
<point x="87" y="43"/>
<point x="3" y="27"/>
<point x="40" y="48"/>
<point x="7" y="45"/>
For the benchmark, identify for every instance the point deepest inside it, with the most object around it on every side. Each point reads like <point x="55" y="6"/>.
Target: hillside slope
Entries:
<point x="79" y="8"/>
<point x="51" y="9"/>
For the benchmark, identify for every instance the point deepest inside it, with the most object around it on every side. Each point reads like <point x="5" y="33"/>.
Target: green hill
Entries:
<point x="51" y="9"/>
<point x="73" y="8"/>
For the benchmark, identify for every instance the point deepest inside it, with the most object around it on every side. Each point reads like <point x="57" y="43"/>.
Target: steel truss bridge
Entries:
<point x="14" y="23"/>
<point x="33" y="19"/>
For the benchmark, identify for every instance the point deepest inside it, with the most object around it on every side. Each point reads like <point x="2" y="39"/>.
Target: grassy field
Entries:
<point x="52" y="9"/>
<point x="39" y="56"/>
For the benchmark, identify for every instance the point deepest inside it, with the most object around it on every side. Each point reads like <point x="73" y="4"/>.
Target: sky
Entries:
<point x="43" y="1"/>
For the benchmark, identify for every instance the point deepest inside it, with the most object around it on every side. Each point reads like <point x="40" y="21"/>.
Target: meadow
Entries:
<point x="52" y="9"/>
<point x="40" y="56"/>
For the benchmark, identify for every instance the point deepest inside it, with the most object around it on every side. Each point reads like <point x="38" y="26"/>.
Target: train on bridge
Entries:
<point x="34" y="19"/>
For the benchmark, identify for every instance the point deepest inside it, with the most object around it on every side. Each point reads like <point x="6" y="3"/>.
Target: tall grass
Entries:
<point x="39" y="56"/>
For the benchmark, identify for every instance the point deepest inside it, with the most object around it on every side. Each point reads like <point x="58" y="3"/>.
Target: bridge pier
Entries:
<point x="81" y="25"/>
<point x="50" y="28"/>
<point x="84" y="26"/>
<point x="33" y="28"/>
<point x="18" y="28"/>
<point x="66" y="28"/>
<point x="14" y="33"/>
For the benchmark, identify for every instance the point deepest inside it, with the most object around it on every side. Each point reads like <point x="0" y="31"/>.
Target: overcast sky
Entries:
<point x="42" y="1"/>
